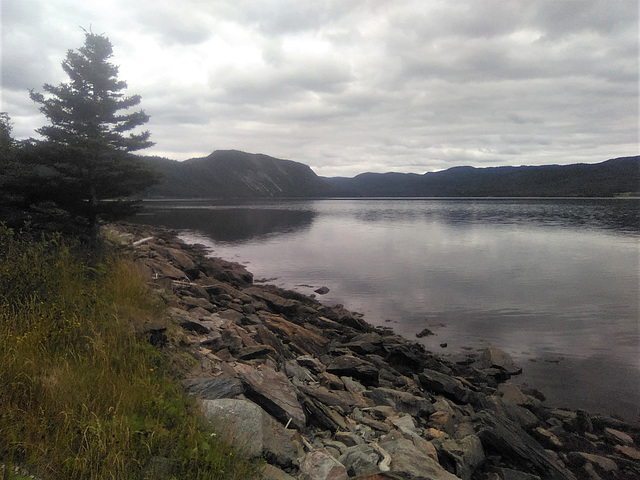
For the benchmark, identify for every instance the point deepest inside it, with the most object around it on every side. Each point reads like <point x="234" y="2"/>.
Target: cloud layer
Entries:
<point x="349" y="86"/>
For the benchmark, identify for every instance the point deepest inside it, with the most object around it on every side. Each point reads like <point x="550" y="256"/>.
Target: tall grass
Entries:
<point x="81" y="396"/>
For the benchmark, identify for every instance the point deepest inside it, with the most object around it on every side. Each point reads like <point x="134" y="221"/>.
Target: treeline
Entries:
<point x="607" y="179"/>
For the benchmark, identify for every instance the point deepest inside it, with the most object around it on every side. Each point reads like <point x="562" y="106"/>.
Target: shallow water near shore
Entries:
<point x="554" y="282"/>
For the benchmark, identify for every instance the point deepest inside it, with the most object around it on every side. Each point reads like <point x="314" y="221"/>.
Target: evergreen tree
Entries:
<point x="84" y="166"/>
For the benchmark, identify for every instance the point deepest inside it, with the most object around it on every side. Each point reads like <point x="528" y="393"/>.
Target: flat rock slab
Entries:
<point x="445" y="385"/>
<point x="350" y="366"/>
<point x="274" y="393"/>
<point x="215" y="388"/>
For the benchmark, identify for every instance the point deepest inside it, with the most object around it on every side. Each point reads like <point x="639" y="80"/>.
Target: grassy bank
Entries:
<point x="81" y="396"/>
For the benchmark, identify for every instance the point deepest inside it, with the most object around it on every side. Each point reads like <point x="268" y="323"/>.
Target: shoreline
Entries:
<point x="336" y="390"/>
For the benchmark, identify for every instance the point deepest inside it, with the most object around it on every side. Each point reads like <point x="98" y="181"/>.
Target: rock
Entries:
<point x="450" y="387"/>
<point x="323" y="416"/>
<point x="510" y="393"/>
<point x="157" y="269"/>
<point x="335" y="398"/>
<point x="258" y="351"/>
<point x="510" y="411"/>
<point x="331" y="381"/>
<point x="273" y="392"/>
<point x="348" y="438"/>
<point x="424" y="333"/>
<point x="178" y="257"/>
<point x="546" y="438"/>
<point x="497" y="358"/>
<point x="618" y="436"/>
<point x="320" y="465"/>
<point x="313" y="364"/>
<point x="401" y="402"/>
<point x="466" y="455"/>
<point x="408" y="462"/>
<point x="510" y="474"/>
<point x="322" y="290"/>
<point x="605" y="464"/>
<point x="251" y="430"/>
<point x="155" y="332"/>
<point x="511" y="441"/>
<point x="360" y="460"/>
<point x="350" y="366"/>
<point x="215" y="387"/>
<point x="270" y="472"/>
<point x="277" y="303"/>
<point x="628" y="452"/>
<point x="300" y="340"/>
<point x="195" y="326"/>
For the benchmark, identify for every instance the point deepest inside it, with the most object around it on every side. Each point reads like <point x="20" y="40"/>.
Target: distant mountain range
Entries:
<point x="235" y="174"/>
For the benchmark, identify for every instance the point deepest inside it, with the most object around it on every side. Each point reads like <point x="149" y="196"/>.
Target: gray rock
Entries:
<point x="401" y="402"/>
<point x="466" y="454"/>
<point x="215" y="387"/>
<point x="508" y="438"/>
<point x="450" y="387"/>
<point x="603" y="463"/>
<point x="258" y="351"/>
<point x="360" y="460"/>
<point x="273" y="392"/>
<point x="408" y="462"/>
<point x="496" y="358"/>
<point x="251" y="430"/>
<point x="270" y="472"/>
<point x="350" y="366"/>
<point x="313" y="364"/>
<point x="510" y="474"/>
<point x="275" y="302"/>
<point x="320" y="465"/>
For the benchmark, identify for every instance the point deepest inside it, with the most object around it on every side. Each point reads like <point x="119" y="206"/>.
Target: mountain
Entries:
<point x="235" y="174"/>
<point x="606" y="179"/>
<point x="231" y="173"/>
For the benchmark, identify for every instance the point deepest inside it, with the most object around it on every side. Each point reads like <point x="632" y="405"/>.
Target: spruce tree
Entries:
<point x="84" y="164"/>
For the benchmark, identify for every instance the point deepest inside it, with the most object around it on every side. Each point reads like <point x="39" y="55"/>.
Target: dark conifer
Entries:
<point x="84" y="165"/>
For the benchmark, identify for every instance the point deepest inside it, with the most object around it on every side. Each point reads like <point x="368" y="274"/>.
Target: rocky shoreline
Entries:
<point x="322" y="395"/>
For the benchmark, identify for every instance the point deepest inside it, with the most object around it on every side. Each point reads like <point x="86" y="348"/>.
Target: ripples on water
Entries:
<point x="552" y="281"/>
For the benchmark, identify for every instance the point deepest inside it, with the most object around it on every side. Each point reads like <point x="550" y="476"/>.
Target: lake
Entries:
<point x="554" y="282"/>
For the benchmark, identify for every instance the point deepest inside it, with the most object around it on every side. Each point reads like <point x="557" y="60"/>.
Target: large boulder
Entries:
<point x="251" y="430"/>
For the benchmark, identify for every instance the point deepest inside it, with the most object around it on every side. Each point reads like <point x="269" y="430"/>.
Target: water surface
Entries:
<point x="555" y="282"/>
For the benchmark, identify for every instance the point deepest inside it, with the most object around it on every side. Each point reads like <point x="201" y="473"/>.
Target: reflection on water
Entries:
<point x="553" y="282"/>
<point x="227" y="224"/>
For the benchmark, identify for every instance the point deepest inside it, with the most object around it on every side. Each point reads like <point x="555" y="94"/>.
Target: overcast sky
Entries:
<point x="348" y="86"/>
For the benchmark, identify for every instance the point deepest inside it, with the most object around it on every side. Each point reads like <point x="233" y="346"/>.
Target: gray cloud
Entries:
<point x="351" y="86"/>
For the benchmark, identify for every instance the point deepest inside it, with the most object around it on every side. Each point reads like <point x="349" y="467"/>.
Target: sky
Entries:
<point x="352" y="86"/>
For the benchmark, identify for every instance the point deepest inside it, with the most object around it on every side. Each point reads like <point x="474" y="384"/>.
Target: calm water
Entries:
<point x="553" y="282"/>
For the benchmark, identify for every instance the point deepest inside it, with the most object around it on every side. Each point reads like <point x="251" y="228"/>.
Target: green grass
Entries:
<point x="81" y="396"/>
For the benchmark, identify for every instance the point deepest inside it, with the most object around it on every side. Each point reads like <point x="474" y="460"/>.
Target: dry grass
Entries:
<point x="81" y="397"/>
